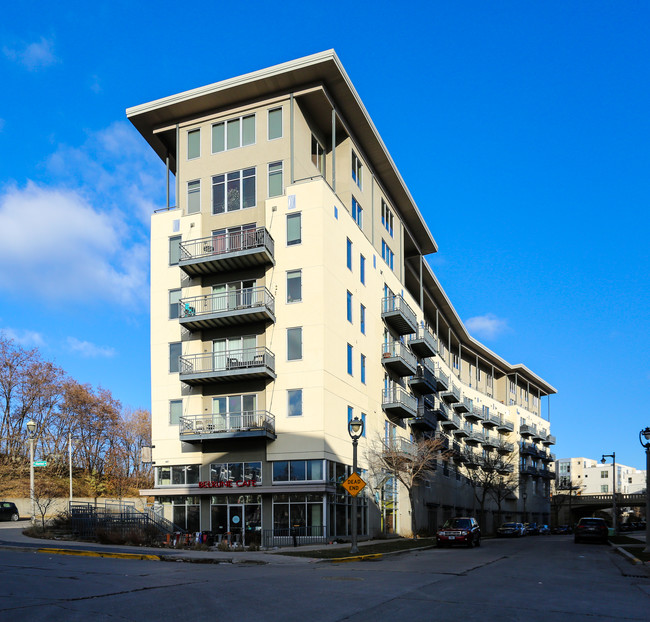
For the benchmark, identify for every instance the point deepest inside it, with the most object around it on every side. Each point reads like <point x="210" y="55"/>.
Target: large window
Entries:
<point x="317" y="155"/>
<point x="193" y="144"/>
<point x="298" y="471"/>
<point x="175" y="411"/>
<point x="275" y="123"/>
<point x="174" y="250"/>
<point x="236" y="472"/>
<point x="183" y="475"/>
<point x="294" y="402"/>
<point x="175" y="351"/>
<point x="387" y="217"/>
<point x="294" y="344"/>
<point x="194" y="196"/>
<point x="233" y="133"/>
<point x="294" y="286"/>
<point x="174" y="297"/>
<point x="294" y="229"/>
<point x="356" y="169"/>
<point x="233" y="191"/>
<point x="275" y="179"/>
<point x="357" y="212"/>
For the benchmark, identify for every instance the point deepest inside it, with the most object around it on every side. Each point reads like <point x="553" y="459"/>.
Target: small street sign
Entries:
<point x="354" y="484"/>
<point x="40" y="463"/>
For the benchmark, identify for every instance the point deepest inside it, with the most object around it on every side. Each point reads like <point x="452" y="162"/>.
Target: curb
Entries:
<point x="99" y="554"/>
<point x="356" y="558"/>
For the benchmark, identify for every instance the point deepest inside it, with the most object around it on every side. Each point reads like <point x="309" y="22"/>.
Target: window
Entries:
<point x="294" y="402"/>
<point x="275" y="179"/>
<point x="604" y="488"/>
<point x="236" y="472"/>
<point x="174" y="297"/>
<point x="356" y="169"/>
<point x="363" y="369"/>
<point x="174" y="250"/>
<point x="294" y="344"/>
<point x="348" y="257"/>
<point x="275" y="123"/>
<point x="604" y="474"/>
<point x="294" y="229"/>
<point x="298" y="470"/>
<point x="456" y="362"/>
<point x="387" y="218"/>
<point x="294" y="286"/>
<point x="512" y="387"/>
<point x="349" y="307"/>
<point x="233" y="133"/>
<point x="362" y="269"/>
<point x="350" y="354"/>
<point x="357" y="212"/>
<point x="362" y="319"/>
<point x="233" y="191"/>
<point x="174" y="353"/>
<point x="177" y="475"/>
<point x="387" y="255"/>
<point x="175" y="411"/>
<point x="194" y="197"/>
<point x="193" y="144"/>
<point x="317" y="155"/>
<point x="336" y="212"/>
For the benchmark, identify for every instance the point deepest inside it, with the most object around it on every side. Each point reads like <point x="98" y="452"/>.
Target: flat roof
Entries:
<point x="324" y="68"/>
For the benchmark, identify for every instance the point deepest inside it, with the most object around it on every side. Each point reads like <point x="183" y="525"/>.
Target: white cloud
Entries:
<point x="23" y="337"/>
<point x="33" y="55"/>
<point x="54" y="244"/>
<point x="487" y="326"/>
<point x="88" y="349"/>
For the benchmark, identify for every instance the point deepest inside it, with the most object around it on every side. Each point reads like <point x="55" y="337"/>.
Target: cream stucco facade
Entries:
<point x="289" y="291"/>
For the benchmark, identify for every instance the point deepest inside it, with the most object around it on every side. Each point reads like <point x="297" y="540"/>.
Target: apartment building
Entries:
<point x="591" y="477"/>
<point x="289" y="294"/>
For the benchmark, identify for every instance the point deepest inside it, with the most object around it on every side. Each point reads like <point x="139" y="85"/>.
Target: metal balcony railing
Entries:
<point x="227" y="361"/>
<point x="216" y="424"/>
<point x="242" y="299"/>
<point x="396" y="312"/>
<point x="397" y="355"/>
<point x="227" y="242"/>
<point x="400" y="446"/>
<point x="423" y="342"/>
<point x="398" y="397"/>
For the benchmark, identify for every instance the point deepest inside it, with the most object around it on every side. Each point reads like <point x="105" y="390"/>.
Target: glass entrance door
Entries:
<point x="236" y="523"/>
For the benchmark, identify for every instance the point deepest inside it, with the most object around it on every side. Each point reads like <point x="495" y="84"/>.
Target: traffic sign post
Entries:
<point x="354" y="484"/>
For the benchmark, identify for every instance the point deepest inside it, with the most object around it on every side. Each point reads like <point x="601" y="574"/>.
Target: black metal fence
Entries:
<point x="294" y="536"/>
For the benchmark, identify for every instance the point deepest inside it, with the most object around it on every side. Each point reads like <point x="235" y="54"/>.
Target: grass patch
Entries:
<point x="637" y="551"/>
<point x="623" y="540"/>
<point x="364" y="549"/>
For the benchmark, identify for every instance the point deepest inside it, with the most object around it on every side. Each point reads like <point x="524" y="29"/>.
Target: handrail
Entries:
<point x="228" y="360"/>
<point x="227" y="242"/>
<point x="233" y="300"/>
<point x="231" y="422"/>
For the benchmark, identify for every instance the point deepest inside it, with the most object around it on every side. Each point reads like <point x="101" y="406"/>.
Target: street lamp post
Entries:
<point x="614" y="521"/>
<point x="355" y="429"/>
<point x="524" y="496"/>
<point x="31" y="430"/>
<point x="646" y="434"/>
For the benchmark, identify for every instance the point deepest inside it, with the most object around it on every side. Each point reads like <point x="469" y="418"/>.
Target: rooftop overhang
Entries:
<point x="156" y="121"/>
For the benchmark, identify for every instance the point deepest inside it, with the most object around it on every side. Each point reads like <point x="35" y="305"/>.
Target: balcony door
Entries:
<point x="232" y="296"/>
<point x="234" y="239"/>
<point x="234" y="352"/>
<point x="234" y="412"/>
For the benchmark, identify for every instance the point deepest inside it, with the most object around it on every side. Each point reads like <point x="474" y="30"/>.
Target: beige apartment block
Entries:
<point x="290" y="293"/>
<point x="585" y="476"/>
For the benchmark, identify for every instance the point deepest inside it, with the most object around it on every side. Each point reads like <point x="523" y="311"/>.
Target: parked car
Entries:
<point x="8" y="511"/>
<point x="531" y="529"/>
<point x="544" y="530"/>
<point x="460" y="530"/>
<point x="591" y="529"/>
<point x="562" y="529"/>
<point x="511" y="530"/>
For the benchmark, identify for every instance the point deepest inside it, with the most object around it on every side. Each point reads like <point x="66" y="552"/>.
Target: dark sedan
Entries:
<point x="510" y="530"/>
<point x="591" y="529"/>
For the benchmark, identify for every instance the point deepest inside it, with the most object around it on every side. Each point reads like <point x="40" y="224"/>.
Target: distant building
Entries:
<point x="590" y="477"/>
<point x="289" y="294"/>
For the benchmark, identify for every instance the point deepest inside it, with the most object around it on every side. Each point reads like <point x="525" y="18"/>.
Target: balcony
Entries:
<point x="505" y="448"/>
<point x="229" y="366"/>
<point x="549" y="440"/>
<point x="398" y="359"/>
<point x="198" y="428"/>
<point x="227" y="251"/>
<point x="491" y="420"/>
<point x="398" y="449"/>
<point x="463" y="430"/>
<point x="489" y="442"/>
<point x="424" y="418"/>
<point x="443" y="439"/>
<point x="505" y="426"/>
<point x="527" y="449"/>
<point x="452" y="395"/>
<point x="504" y="469"/>
<point x="398" y="315"/>
<point x="399" y="403"/>
<point x="240" y="306"/>
<point x="538" y="435"/>
<point x="546" y="473"/>
<point x="530" y="470"/>
<point x="453" y="423"/>
<point x="472" y="459"/>
<point x="474" y="438"/>
<point x="475" y="415"/>
<point x="424" y="382"/>
<point x="442" y="379"/>
<point x="526" y="430"/>
<point x="423" y="342"/>
<point x="464" y="406"/>
<point x="456" y="453"/>
<point x="440" y="409"/>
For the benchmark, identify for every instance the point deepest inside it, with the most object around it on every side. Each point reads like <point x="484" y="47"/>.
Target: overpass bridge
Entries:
<point x="574" y="507"/>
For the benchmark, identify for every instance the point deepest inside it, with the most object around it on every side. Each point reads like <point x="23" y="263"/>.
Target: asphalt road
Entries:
<point x="544" y="578"/>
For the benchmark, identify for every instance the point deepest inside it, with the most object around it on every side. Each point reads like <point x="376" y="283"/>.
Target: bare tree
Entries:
<point x="44" y="496"/>
<point x="564" y="493"/>
<point x="410" y="462"/>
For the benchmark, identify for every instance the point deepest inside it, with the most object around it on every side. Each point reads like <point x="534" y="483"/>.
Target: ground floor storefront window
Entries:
<point x="237" y="518"/>
<point x="185" y="511"/>
<point x="340" y="514"/>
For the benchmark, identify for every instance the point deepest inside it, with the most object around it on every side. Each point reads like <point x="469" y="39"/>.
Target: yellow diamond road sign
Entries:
<point x="354" y="484"/>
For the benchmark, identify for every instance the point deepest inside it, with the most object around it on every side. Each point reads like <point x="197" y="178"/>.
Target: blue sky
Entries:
<point x="522" y="130"/>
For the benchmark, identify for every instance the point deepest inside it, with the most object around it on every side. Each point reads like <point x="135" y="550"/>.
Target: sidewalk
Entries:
<point x="13" y="538"/>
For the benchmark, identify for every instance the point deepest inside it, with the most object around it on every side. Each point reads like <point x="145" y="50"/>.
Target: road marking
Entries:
<point x="98" y="554"/>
